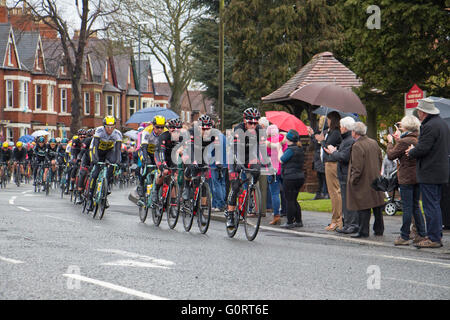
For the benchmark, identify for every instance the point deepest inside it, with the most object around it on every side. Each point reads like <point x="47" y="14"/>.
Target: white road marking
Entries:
<point x="11" y="260"/>
<point x="27" y="191"/>
<point x="24" y="209"/>
<point x="161" y="262"/>
<point x="62" y="219"/>
<point x="115" y="287"/>
<point x="133" y="263"/>
<point x="445" y="265"/>
<point x="419" y="283"/>
<point x="11" y="201"/>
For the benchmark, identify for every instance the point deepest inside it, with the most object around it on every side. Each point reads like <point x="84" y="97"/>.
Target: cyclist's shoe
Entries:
<point x="106" y="204"/>
<point x="230" y="220"/>
<point x="141" y="202"/>
<point x="155" y="194"/>
<point x="91" y="206"/>
<point x="186" y="193"/>
<point x="79" y="201"/>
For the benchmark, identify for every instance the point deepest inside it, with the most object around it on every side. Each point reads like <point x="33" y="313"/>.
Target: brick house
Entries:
<point x="35" y="87"/>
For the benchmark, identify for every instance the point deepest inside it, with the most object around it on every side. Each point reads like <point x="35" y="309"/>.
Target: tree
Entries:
<point x="272" y="40"/>
<point x="166" y="36"/>
<point x="88" y="13"/>
<point x="410" y="47"/>
<point x="205" y="40"/>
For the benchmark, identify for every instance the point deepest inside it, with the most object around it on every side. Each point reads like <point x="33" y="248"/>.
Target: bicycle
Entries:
<point x="38" y="181"/>
<point x="148" y="189"/>
<point x="248" y="208"/>
<point x="166" y="201"/>
<point x="18" y="174"/>
<point x="4" y="178"/>
<point x="64" y="181"/>
<point x="102" y="188"/>
<point x="50" y="180"/>
<point x="194" y="207"/>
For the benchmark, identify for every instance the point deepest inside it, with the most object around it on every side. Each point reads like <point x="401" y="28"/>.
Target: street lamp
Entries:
<point x="139" y="62"/>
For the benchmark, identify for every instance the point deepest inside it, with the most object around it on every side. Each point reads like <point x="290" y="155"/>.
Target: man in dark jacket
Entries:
<point x="432" y="168"/>
<point x="342" y="156"/>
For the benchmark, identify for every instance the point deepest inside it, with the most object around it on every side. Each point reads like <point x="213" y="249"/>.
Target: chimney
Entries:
<point x="3" y="12"/>
<point x="76" y="34"/>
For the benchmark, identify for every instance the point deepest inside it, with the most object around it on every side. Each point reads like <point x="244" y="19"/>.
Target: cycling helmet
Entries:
<point x="90" y="132"/>
<point x="52" y="140"/>
<point x="124" y="147"/>
<point x="159" y="121"/>
<point x="19" y="144"/>
<point x="109" y="121"/>
<point x="81" y="132"/>
<point x="5" y="144"/>
<point x="64" y="141"/>
<point x="175" y="123"/>
<point x="252" y="114"/>
<point x="205" y="121"/>
<point x="41" y="140"/>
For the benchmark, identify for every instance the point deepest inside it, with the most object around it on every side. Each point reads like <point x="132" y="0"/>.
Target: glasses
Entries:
<point x="252" y="123"/>
<point x="110" y="127"/>
<point x="159" y="127"/>
<point x="206" y="128"/>
<point x="174" y="128"/>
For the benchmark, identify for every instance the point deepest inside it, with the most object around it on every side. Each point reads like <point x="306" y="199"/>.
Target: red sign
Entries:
<point x="414" y="94"/>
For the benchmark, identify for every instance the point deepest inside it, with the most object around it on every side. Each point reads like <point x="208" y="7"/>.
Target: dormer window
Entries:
<point x="10" y="54"/>
<point x="38" y="67"/>
<point x="62" y="70"/>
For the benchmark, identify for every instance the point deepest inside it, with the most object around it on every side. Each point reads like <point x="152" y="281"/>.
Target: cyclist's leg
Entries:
<point x="187" y="182"/>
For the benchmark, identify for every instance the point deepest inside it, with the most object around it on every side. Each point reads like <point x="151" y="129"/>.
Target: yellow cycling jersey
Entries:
<point x="150" y="139"/>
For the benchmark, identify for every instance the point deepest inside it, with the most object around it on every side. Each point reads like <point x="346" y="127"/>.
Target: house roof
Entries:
<point x="27" y="45"/>
<point x="323" y="67"/>
<point x="108" y="87"/>
<point x="5" y="29"/>
<point x="163" y="89"/>
<point x="145" y="70"/>
<point x="132" y="92"/>
<point x="122" y="66"/>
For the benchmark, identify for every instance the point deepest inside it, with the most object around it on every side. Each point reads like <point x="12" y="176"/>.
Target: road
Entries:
<point x="50" y="250"/>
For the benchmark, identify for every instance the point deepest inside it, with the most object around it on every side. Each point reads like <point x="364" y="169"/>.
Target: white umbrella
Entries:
<point x="39" y="133"/>
<point x="132" y="134"/>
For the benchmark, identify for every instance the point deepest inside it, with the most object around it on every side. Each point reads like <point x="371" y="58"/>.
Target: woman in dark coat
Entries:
<point x="293" y="177"/>
<point x="409" y="188"/>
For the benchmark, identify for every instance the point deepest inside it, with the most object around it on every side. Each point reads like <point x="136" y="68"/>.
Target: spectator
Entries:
<point x="364" y="168"/>
<point x="342" y="156"/>
<point x="334" y="139"/>
<point x="274" y="140"/>
<point x="293" y="178"/>
<point x="318" y="166"/>
<point x="432" y="168"/>
<point x="409" y="188"/>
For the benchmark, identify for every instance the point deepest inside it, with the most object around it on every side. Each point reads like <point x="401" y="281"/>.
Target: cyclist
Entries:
<point x="124" y="160"/>
<point x="163" y="154"/>
<point x="149" y="141"/>
<point x="75" y="149"/>
<point x="105" y="145"/>
<point x="52" y="154"/>
<point x="5" y="156"/>
<point x="85" y="158"/>
<point x="192" y="165"/>
<point x="30" y="147"/>
<point x="251" y="145"/>
<point x="39" y="157"/>
<point x="61" y="158"/>
<point x="19" y="156"/>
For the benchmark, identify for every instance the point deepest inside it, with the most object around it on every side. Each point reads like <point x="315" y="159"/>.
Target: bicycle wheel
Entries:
<point x="173" y="205"/>
<point x="252" y="214"/>
<point x="204" y="211"/>
<point x="143" y="211"/>
<point x="187" y="213"/>
<point x="157" y="208"/>
<point x="103" y="200"/>
<point x="232" y="232"/>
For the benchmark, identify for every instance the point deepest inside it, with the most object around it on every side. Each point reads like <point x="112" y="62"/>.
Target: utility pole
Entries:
<point x="139" y="63"/>
<point x="221" y="66"/>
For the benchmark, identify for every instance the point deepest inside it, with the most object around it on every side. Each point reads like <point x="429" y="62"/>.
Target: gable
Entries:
<point x="39" y="64"/>
<point x="11" y="57"/>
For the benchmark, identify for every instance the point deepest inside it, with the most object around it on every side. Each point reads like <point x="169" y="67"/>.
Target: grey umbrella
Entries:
<point x="444" y="107"/>
<point x="330" y="95"/>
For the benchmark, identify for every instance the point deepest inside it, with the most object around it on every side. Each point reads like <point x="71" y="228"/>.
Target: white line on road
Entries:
<point x="11" y="201"/>
<point x="115" y="287"/>
<point x="62" y="219"/>
<point x="133" y="263"/>
<point x="24" y="209"/>
<point x="161" y="262"/>
<point x="11" y="260"/>
<point x="27" y="191"/>
<point x="419" y="283"/>
<point x="446" y="265"/>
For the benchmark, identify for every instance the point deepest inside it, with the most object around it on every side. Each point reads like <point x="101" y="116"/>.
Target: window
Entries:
<point x="63" y="100"/>
<point x="132" y="107"/>
<point x="97" y="103"/>
<point x="87" y="109"/>
<point x="109" y="105"/>
<point x="144" y="105"/>
<point x="188" y="116"/>
<point x="62" y="70"/>
<point x="38" y="97"/>
<point x="9" y="94"/>
<point x="182" y="116"/>
<point x="10" y="134"/>
<point x="10" y="53"/>
<point x="50" y="97"/>
<point x="23" y="95"/>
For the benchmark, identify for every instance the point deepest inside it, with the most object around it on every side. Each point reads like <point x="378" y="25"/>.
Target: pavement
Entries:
<point x="314" y="224"/>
